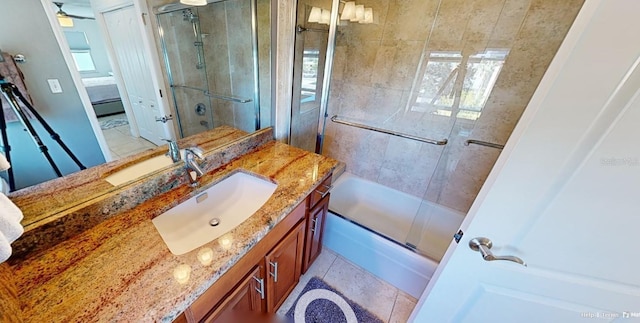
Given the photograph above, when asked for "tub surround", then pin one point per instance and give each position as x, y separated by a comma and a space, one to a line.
121, 270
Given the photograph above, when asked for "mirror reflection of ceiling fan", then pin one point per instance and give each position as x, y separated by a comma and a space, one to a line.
62, 14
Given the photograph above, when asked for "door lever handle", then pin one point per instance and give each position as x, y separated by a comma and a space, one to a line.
483, 245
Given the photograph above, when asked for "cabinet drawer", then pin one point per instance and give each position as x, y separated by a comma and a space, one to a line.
319, 192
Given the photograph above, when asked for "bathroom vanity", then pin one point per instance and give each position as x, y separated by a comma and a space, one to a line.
119, 268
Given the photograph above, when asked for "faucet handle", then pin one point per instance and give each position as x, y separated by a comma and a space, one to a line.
197, 151
174, 150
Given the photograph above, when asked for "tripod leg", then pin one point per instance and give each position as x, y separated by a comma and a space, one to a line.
8, 94
6, 148
46, 126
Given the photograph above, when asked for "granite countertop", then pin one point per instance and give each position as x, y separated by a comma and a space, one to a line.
121, 270
40, 203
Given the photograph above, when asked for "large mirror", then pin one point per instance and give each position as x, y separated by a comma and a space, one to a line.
104, 106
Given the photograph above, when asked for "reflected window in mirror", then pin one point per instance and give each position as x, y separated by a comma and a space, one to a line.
80, 50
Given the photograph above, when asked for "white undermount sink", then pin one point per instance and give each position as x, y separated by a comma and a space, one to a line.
140, 169
212, 213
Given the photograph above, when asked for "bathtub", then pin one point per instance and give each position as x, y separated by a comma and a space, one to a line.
368, 224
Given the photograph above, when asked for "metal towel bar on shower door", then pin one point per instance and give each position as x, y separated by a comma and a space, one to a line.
214, 95
483, 143
389, 132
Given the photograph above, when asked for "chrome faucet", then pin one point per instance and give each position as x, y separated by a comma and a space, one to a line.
191, 157
174, 151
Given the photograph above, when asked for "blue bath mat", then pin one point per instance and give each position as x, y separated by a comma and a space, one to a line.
321, 303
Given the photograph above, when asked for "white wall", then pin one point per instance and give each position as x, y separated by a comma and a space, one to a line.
26, 30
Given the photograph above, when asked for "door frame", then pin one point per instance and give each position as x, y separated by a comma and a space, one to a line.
77, 79
99, 7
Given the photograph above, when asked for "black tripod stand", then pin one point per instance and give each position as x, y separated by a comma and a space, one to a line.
12, 94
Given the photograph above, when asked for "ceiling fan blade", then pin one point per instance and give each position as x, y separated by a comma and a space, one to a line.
79, 17
64, 14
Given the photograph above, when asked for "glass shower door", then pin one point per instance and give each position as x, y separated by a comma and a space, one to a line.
186, 69
213, 63
309, 64
481, 77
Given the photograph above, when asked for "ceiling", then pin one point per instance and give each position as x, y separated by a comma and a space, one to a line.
79, 3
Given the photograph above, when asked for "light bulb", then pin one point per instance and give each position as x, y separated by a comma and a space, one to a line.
65, 21
349, 11
315, 15
359, 13
326, 17
368, 16
194, 2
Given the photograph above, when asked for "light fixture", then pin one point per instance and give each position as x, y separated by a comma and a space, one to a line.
349, 11
359, 13
315, 15
65, 21
194, 2
368, 16
326, 17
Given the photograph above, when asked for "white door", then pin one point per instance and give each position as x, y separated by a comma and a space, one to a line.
564, 196
123, 27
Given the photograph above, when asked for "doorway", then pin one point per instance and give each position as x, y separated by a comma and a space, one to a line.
113, 66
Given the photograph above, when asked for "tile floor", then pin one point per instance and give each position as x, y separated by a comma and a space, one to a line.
378, 297
119, 139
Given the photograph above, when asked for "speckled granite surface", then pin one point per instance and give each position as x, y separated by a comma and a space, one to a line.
80, 217
40, 202
121, 270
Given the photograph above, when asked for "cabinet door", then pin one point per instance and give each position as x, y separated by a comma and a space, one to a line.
245, 302
284, 265
315, 228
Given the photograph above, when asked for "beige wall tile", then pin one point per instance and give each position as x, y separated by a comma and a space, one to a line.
451, 22
510, 20
369, 71
409, 20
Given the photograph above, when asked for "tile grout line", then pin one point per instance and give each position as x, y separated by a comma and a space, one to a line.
395, 302
329, 267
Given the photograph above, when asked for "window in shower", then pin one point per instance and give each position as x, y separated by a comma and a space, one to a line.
308, 90
456, 83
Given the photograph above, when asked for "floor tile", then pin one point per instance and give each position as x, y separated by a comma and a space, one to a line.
362, 287
403, 307
319, 269
120, 142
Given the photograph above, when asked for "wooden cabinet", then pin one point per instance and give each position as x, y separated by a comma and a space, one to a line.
232, 297
316, 214
255, 287
284, 265
315, 228
245, 301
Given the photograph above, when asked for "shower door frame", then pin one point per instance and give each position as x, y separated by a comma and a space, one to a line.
326, 79
254, 52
